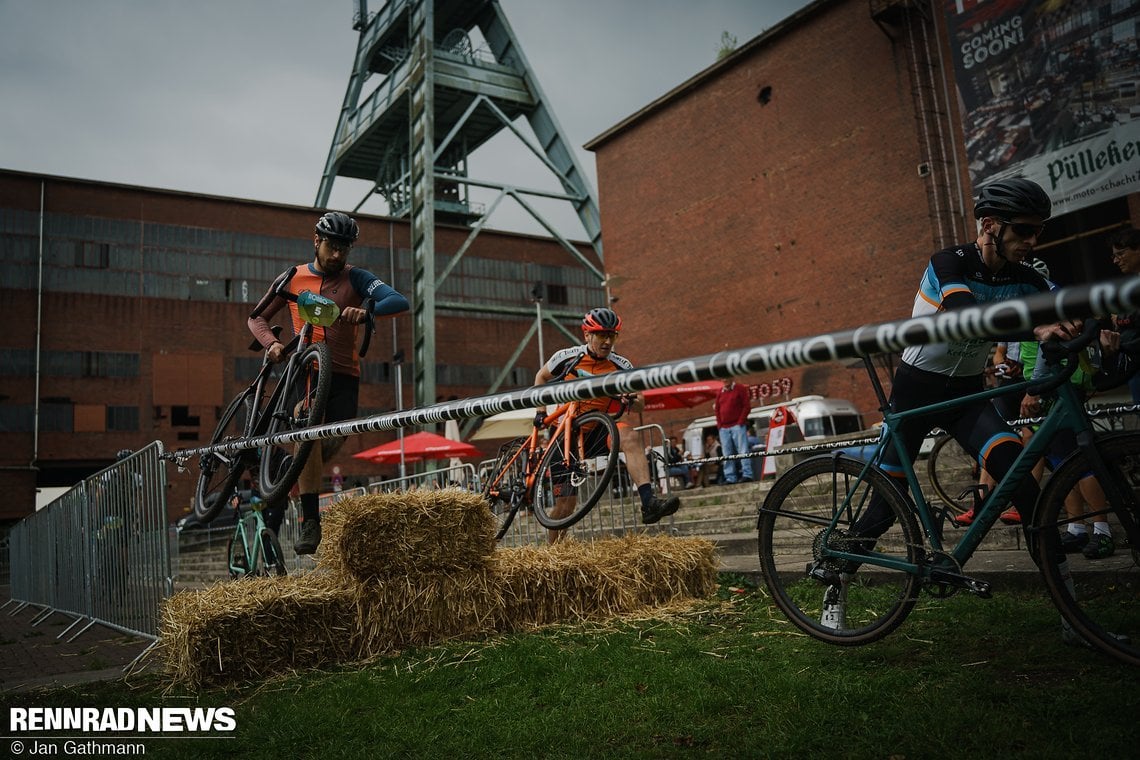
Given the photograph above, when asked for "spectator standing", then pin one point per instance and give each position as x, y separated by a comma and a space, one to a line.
732, 407
1126, 256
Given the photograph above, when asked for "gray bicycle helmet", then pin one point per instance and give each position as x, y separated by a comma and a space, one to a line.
338, 226
1007, 198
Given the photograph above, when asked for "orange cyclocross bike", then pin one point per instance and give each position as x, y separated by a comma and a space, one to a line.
559, 471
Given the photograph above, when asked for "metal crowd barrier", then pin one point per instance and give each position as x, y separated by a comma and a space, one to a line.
100, 552
464, 476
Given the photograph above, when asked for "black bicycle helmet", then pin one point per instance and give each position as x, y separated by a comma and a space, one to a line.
1007, 198
338, 226
601, 320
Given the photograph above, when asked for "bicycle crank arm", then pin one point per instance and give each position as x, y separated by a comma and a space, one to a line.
979, 588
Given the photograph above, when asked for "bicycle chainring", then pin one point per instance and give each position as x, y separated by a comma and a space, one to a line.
942, 561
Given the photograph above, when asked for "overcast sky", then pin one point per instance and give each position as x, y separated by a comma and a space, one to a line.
240, 97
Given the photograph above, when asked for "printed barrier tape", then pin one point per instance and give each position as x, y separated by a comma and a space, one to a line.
983, 321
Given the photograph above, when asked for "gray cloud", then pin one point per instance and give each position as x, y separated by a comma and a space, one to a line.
240, 97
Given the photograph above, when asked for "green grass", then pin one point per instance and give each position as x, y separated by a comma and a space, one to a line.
963, 677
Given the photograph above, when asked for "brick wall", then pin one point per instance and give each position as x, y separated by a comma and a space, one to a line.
729, 222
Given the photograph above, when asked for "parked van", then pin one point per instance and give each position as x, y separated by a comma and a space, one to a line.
815, 417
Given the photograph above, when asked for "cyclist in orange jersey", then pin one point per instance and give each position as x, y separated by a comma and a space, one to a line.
600, 328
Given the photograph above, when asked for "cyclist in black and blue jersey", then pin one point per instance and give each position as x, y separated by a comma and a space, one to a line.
1011, 214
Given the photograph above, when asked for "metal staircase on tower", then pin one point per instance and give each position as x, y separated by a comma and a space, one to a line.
436, 100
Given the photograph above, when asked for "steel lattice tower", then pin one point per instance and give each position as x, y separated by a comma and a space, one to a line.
437, 101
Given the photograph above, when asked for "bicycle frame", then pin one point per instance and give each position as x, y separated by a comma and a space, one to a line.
255, 552
560, 420
253, 549
1067, 413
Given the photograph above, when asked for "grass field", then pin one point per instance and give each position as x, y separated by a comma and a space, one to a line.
726, 678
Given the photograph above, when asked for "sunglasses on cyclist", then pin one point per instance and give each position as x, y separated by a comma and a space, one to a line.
1024, 230
605, 335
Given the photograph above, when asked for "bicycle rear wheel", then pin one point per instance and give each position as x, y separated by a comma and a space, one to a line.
793, 533
505, 490
952, 471
300, 403
570, 482
1100, 598
218, 474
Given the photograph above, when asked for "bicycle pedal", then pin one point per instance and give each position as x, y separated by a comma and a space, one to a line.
979, 588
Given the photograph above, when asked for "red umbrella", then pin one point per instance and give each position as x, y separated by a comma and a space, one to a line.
417, 447
681, 396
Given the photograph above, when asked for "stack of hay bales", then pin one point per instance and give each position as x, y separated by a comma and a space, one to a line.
414, 568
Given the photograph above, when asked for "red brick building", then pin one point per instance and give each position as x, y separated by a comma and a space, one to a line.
139, 324
796, 187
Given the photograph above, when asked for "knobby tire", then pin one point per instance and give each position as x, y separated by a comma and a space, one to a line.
585, 473
218, 474
301, 405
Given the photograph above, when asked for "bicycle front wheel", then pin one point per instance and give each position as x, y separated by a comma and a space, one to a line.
834, 600
1098, 593
274, 557
218, 474
952, 473
571, 479
300, 403
505, 490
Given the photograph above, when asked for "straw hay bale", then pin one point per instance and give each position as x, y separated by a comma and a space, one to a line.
239, 631
591, 581
425, 608
407, 533
245, 630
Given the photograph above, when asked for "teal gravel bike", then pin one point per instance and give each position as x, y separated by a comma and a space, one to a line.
844, 589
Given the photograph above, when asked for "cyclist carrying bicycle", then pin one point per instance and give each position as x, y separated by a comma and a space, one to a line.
1011, 214
600, 329
331, 276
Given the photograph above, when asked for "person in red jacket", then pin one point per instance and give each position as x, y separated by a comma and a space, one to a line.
732, 407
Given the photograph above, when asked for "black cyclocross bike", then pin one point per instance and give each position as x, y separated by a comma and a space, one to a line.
282, 398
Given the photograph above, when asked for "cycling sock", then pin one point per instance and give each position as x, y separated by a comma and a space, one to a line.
309, 507
1101, 529
645, 491
1077, 529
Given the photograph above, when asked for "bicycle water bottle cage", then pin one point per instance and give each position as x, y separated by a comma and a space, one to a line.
316, 309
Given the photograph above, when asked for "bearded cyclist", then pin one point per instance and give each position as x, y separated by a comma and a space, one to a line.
329, 275
600, 329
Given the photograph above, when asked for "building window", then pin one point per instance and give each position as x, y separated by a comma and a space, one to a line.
93, 255
557, 294
180, 417
123, 418
17, 362
375, 373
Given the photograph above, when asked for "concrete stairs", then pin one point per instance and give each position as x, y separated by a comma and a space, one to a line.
725, 515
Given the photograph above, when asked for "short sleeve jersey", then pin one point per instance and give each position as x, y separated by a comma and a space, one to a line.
576, 362
957, 277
